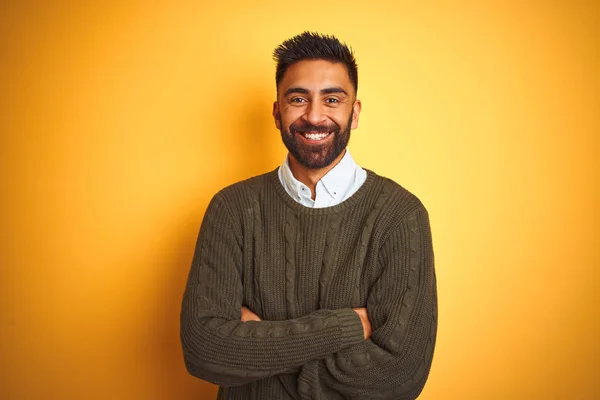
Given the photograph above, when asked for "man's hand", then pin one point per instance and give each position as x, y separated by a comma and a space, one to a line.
364, 318
248, 315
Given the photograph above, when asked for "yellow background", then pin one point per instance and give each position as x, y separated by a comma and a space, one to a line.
120, 121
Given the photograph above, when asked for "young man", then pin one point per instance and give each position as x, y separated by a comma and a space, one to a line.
316, 280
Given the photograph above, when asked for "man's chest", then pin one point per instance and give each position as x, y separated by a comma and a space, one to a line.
295, 265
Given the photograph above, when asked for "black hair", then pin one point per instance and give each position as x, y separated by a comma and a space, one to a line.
314, 46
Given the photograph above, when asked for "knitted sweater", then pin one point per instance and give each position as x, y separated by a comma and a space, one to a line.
302, 270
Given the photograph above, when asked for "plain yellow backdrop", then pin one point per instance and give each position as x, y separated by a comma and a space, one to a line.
120, 120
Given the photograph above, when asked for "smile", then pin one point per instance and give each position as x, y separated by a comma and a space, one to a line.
316, 136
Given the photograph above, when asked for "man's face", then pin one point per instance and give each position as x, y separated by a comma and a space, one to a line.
315, 110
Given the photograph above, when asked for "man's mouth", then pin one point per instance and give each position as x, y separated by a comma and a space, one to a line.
315, 136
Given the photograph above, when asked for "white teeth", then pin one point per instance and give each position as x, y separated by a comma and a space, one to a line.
316, 136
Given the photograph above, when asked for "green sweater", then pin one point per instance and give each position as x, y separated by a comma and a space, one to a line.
302, 270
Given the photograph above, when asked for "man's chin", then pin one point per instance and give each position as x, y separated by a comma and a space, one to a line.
315, 163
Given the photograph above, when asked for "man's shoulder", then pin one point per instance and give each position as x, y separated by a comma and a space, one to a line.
395, 189
253, 183
398, 199
244, 190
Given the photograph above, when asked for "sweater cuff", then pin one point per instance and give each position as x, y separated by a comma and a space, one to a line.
351, 327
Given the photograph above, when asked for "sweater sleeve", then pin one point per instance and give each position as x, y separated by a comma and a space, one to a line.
217, 345
402, 307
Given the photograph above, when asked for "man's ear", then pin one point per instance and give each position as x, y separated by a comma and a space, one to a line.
356, 107
276, 115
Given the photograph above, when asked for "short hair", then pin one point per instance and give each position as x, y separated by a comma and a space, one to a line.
314, 46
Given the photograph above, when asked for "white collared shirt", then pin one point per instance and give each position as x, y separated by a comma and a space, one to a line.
336, 186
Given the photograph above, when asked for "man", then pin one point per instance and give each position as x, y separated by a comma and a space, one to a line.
316, 280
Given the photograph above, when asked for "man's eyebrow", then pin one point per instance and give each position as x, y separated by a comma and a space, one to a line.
301, 90
333, 90
296, 90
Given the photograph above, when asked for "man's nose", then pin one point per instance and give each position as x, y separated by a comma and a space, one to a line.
315, 113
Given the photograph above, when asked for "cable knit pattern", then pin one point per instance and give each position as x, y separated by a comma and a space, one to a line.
302, 270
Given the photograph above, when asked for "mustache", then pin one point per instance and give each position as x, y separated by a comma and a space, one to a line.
297, 127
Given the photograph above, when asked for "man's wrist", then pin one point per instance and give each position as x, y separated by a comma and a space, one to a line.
351, 326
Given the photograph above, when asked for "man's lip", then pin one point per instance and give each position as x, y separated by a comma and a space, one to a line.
312, 141
303, 132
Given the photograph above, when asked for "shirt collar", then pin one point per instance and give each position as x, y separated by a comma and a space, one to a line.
293, 185
341, 177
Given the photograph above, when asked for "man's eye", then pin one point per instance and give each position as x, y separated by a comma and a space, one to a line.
332, 100
298, 100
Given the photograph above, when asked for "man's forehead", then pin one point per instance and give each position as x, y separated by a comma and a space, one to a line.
315, 75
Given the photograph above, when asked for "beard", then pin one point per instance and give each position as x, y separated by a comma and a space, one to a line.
316, 156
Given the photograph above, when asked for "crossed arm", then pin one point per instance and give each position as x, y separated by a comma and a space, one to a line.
248, 315
383, 354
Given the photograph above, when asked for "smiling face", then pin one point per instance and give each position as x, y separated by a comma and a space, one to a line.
315, 111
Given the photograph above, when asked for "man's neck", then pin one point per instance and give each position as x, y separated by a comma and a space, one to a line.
310, 177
